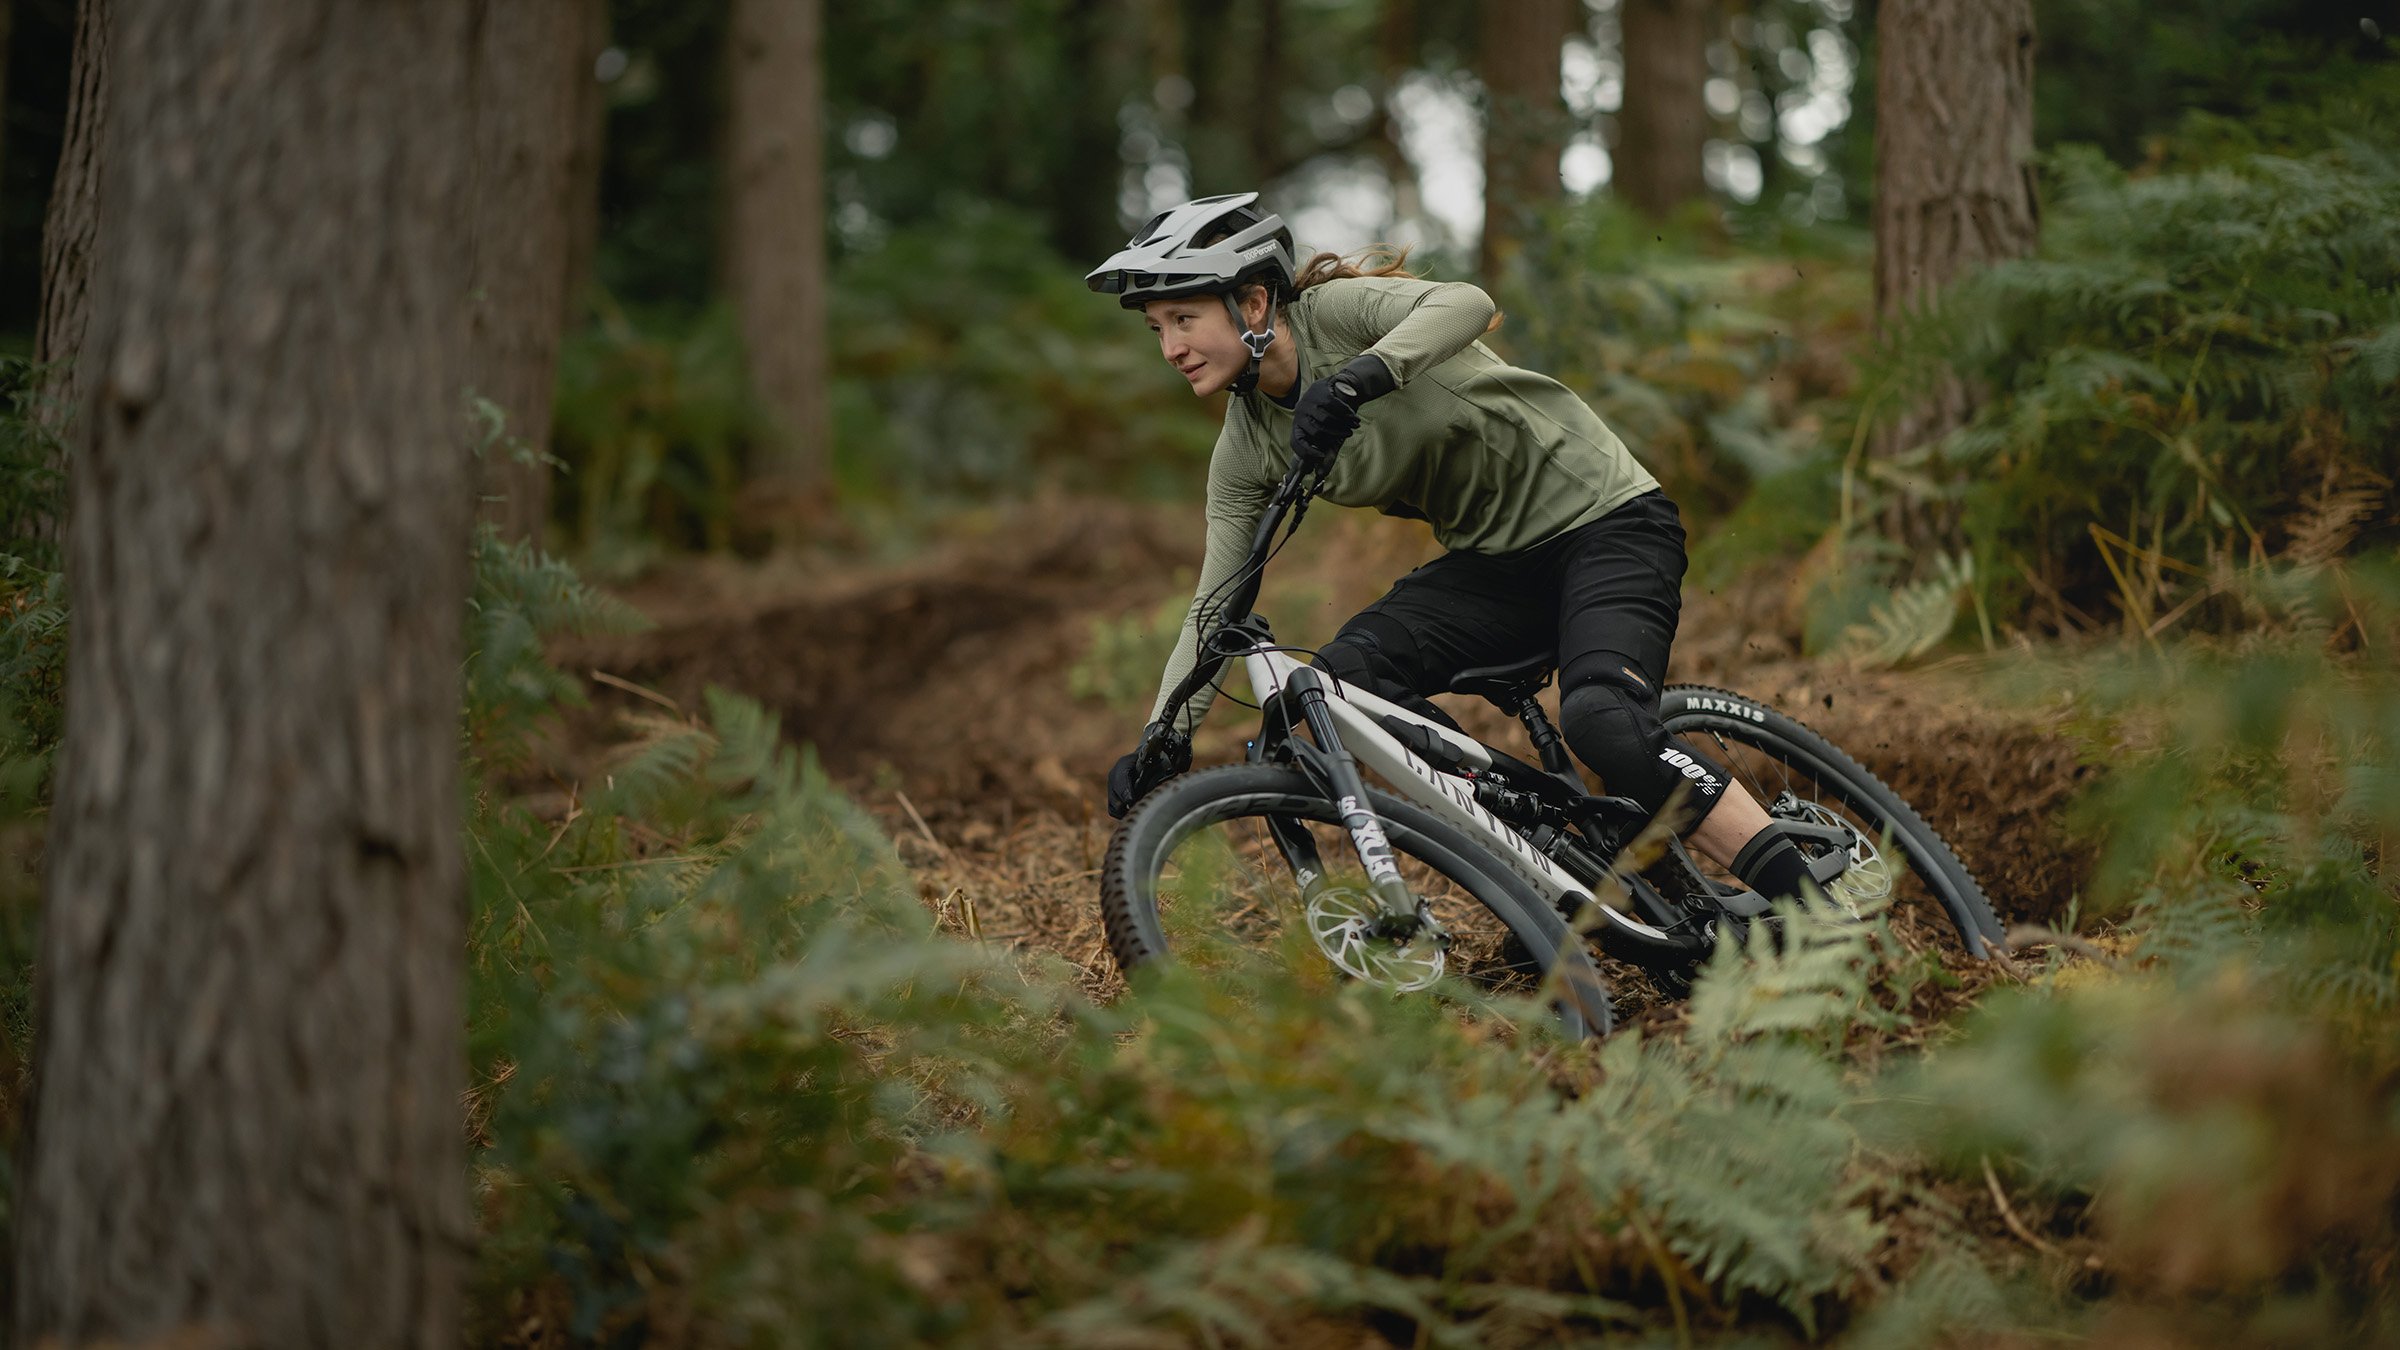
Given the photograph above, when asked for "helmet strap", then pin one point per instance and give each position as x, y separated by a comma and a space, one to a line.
1257, 342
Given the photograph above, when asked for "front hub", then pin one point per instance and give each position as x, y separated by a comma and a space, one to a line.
1399, 952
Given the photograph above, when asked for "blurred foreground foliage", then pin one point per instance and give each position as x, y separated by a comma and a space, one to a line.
2209, 1111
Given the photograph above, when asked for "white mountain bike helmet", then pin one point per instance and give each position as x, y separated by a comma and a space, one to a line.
1210, 246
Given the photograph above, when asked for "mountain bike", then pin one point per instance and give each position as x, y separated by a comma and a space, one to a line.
1477, 863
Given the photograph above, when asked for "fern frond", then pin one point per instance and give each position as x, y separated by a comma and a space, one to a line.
2328, 522
1806, 971
665, 754
1914, 619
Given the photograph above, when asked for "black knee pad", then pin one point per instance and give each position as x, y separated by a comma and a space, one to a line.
1352, 661
1611, 723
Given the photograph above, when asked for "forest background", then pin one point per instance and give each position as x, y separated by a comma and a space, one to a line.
2025, 372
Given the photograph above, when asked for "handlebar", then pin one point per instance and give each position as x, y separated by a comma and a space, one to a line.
1291, 499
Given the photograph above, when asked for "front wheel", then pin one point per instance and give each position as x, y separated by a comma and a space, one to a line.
1896, 860
1196, 868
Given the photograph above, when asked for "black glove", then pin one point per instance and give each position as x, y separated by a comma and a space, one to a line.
1328, 410
1163, 753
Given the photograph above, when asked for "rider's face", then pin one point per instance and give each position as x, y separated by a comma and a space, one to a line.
1198, 338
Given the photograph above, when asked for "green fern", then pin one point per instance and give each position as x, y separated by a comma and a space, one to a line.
1913, 619
2188, 356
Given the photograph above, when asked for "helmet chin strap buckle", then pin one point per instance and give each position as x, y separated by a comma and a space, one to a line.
1257, 342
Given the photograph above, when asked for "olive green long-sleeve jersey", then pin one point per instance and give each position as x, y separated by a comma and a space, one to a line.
1497, 458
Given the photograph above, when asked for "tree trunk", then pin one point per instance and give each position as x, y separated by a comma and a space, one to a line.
1262, 112
250, 1049
529, 106
1954, 186
1663, 126
1233, 125
776, 248
1395, 57
1088, 168
67, 232
583, 175
1524, 120
8, 20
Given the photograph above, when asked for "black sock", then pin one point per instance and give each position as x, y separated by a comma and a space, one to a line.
1771, 865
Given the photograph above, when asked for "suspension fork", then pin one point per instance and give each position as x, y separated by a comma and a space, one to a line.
1349, 791
1292, 839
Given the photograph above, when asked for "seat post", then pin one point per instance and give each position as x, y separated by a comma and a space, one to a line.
1546, 739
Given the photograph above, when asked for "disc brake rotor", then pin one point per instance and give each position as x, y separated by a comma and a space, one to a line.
1342, 922
1869, 875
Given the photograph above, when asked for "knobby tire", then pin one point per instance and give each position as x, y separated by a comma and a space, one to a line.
1174, 812
1698, 709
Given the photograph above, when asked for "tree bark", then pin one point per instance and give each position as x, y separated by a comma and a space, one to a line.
536, 60
1662, 127
245, 1119
1395, 57
1234, 134
8, 23
1262, 112
583, 174
776, 249
68, 229
1089, 169
1954, 184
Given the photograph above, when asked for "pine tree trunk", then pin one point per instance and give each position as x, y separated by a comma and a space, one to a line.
67, 233
1262, 112
1525, 119
1087, 170
776, 246
529, 107
1954, 185
1395, 57
8, 23
245, 1118
1663, 126
1230, 131
583, 175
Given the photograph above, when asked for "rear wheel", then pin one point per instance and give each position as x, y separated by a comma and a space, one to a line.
1195, 874
1798, 775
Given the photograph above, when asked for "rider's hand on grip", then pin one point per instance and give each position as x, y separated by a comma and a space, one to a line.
1327, 413
1163, 753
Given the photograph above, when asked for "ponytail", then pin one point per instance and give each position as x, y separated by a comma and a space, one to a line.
1375, 260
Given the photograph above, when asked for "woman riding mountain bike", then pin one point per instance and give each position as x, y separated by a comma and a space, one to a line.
1559, 540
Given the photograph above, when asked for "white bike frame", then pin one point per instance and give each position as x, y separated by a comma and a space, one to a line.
1355, 712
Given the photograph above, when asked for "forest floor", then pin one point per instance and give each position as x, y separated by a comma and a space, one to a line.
937, 693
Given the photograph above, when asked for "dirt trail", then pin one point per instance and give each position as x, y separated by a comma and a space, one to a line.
937, 693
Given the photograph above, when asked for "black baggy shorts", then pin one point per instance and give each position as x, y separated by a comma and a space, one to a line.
1603, 597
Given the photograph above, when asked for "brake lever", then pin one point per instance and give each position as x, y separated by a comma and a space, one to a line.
1155, 738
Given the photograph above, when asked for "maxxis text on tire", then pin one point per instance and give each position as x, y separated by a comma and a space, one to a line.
1686, 709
